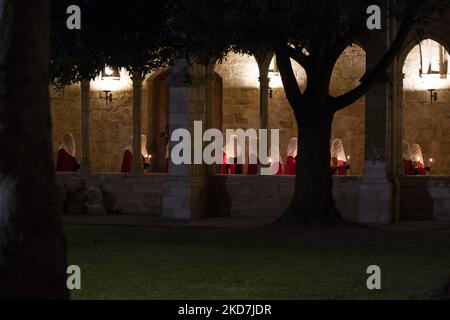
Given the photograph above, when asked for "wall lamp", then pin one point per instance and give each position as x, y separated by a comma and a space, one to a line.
108, 96
433, 95
108, 74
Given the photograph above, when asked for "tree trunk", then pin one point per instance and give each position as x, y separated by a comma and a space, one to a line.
312, 202
32, 247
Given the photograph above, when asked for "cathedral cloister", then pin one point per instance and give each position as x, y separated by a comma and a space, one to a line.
412, 105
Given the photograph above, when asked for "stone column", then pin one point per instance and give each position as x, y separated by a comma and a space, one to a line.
376, 190
210, 110
396, 137
375, 194
263, 59
85, 95
185, 189
264, 82
137, 167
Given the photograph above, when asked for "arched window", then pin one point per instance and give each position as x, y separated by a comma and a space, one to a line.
426, 108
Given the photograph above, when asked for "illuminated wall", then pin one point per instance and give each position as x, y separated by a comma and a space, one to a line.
427, 122
240, 92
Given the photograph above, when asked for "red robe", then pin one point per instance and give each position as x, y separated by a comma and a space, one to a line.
408, 167
224, 169
341, 170
291, 166
419, 168
127, 161
252, 169
66, 162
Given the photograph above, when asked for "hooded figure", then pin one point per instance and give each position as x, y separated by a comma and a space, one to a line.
417, 160
291, 162
127, 160
144, 151
230, 153
338, 157
253, 161
407, 162
276, 164
66, 161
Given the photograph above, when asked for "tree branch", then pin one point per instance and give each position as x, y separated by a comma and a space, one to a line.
297, 55
372, 76
342, 43
293, 93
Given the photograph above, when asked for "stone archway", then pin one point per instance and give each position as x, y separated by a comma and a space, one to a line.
423, 121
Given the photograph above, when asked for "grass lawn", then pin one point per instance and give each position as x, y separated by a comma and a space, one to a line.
255, 263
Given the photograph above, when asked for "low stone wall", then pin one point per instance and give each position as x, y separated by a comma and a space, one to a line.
425, 198
268, 196
101, 193
421, 198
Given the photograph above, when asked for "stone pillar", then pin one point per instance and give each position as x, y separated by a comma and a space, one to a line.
397, 125
137, 167
396, 137
85, 95
185, 189
210, 110
264, 81
376, 190
263, 58
375, 194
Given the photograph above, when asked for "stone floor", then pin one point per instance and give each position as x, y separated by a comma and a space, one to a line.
230, 222
146, 221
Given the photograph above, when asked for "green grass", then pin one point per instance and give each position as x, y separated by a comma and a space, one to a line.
255, 263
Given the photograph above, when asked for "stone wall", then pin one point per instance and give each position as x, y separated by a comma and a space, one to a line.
235, 196
268, 196
240, 92
100, 194
424, 122
421, 198
424, 198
